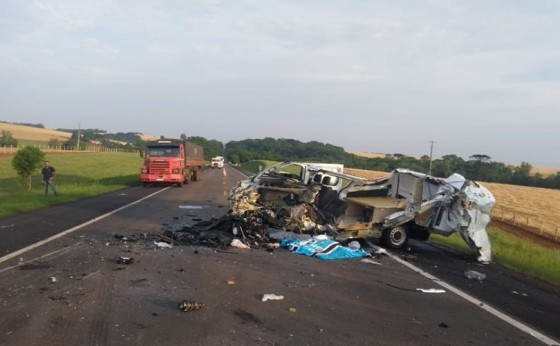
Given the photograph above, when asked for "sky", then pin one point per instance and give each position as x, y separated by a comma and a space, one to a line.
474, 77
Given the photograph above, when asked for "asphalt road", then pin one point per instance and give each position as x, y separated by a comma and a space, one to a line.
72, 290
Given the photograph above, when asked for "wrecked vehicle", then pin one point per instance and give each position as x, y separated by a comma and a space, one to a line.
318, 198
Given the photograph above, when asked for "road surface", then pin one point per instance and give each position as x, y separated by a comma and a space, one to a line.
71, 289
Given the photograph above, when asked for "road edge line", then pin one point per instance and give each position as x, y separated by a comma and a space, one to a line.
75, 228
517, 324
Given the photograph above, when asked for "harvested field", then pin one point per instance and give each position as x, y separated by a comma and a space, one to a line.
368, 155
545, 171
30, 133
531, 208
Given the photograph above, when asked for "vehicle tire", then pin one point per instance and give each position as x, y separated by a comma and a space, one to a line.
419, 233
395, 237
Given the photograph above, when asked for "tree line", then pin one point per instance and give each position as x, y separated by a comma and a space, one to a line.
477, 167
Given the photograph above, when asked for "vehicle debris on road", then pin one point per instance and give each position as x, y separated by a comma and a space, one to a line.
317, 199
474, 275
125, 260
190, 305
270, 296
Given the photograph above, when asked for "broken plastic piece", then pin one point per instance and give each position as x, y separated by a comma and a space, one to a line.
53, 279
190, 305
125, 260
292, 310
430, 290
472, 274
163, 245
271, 297
238, 244
365, 260
231, 282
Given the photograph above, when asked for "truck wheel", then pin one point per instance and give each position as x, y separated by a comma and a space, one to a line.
419, 233
396, 237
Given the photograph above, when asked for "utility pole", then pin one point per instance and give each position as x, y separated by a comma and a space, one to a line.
78, 146
431, 152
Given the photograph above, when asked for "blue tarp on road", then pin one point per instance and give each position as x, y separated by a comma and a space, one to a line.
325, 249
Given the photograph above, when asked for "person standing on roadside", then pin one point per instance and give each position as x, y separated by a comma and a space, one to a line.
48, 176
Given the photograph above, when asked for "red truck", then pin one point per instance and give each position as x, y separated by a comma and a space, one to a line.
171, 161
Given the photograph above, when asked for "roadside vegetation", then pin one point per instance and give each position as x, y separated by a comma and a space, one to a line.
478, 167
77, 176
515, 253
512, 252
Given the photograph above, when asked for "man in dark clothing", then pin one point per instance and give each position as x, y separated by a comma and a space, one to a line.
48, 176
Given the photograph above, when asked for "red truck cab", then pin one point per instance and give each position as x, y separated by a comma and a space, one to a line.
171, 161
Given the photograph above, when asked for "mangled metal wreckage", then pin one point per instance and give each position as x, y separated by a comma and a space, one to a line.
318, 198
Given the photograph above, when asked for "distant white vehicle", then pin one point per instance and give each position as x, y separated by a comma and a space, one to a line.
217, 162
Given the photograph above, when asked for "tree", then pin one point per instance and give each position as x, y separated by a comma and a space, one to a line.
480, 157
54, 143
7, 140
26, 162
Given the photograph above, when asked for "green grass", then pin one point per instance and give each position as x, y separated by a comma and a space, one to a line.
515, 253
253, 166
78, 175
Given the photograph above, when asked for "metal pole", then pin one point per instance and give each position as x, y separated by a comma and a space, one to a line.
78, 136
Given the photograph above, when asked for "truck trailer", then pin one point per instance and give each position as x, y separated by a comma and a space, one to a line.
171, 161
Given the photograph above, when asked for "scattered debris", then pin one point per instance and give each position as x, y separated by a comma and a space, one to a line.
53, 279
238, 244
297, 284
367, 260
292, 310
190, 207
125, 260
190, 305
443, 325
474, 275
522, 294
271, 297
163, 245
430, 290
231, 282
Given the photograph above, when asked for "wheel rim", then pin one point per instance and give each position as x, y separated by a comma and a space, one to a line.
397, 236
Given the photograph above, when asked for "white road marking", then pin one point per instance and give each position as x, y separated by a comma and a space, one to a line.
53, 254
519, 325
75, 228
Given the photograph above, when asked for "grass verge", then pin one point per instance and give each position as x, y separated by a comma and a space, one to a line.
78, 176
515, 253
253, 166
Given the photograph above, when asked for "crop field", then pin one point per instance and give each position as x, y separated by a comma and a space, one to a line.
532, 208
33, 134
